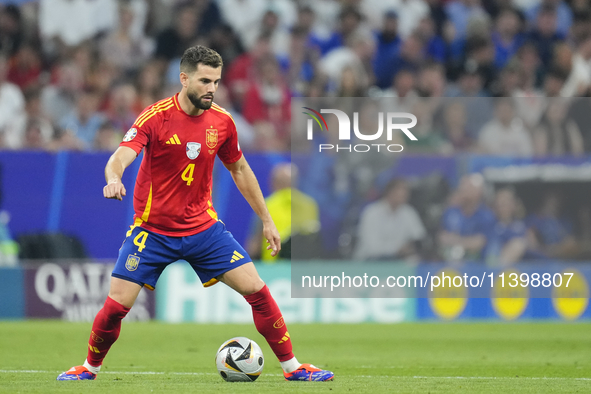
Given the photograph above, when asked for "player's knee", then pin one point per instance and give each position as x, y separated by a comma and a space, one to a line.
252, 287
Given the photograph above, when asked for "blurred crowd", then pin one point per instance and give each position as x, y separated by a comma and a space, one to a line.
74, 74
492, 226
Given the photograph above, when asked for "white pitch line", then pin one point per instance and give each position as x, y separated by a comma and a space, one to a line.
122, 372
358, 376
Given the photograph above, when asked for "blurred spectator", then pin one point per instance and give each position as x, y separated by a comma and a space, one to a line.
12, 102
9, 249
563, 57
581, 26
33, 138
531, 70
209, 16
267, 139
25, 68
505, 134
557, 135
245, 130
544, 35
305, 20
356, 55
438, 15
410, 12
244, 69
326, 15
466, 222
429, 136
580, 113
435, 47
459, 13
302, 62
269, 98
65, 140
122, 49
102, 78
270, 26
349, 23
223, 40
431, 82
107, 138
508, 81
85, 120
59, 99
554, 81
564, 15
403, 90
388, 46
411, 57
455, 127
11, 30
479, 107
351, 84
580, 76
507, 37
507, 241
469, 80
293, 212
480, 53
15, 132
139, 10
390, 228
73, 21
530, 102
550, 234
172, 42
579, 6
243, 15
149, 86
121, 110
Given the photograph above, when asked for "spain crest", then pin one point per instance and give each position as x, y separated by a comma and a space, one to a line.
132, 262
193, 150
211, 138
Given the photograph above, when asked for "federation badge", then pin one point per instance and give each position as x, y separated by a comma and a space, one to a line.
193, 150
211, 138
132, 262
131, 133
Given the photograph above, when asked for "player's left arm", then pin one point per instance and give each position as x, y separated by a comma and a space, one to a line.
248, 185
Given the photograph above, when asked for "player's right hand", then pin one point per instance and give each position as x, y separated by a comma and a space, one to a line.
114, 189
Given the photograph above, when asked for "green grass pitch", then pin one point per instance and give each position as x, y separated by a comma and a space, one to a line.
403, 358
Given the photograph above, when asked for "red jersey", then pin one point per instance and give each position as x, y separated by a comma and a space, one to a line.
173, 187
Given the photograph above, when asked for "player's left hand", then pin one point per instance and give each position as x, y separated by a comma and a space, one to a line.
273, 239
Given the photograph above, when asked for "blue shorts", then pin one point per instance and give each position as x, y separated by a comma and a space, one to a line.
144, 255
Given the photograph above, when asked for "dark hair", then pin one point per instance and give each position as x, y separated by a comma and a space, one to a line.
557, 72
199, 54
393, 184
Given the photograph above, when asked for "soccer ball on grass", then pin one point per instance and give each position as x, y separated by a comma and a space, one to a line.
239, 360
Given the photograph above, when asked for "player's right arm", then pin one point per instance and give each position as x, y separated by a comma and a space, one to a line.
116, 165
136, 138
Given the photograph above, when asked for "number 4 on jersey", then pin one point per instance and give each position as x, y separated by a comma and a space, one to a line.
187, 175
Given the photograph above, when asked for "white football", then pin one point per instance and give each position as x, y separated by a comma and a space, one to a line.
239, 360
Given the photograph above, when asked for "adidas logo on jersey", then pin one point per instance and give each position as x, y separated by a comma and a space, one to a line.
236, 256
174, 140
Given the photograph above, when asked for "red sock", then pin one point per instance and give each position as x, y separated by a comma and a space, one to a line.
269, 322
105, 330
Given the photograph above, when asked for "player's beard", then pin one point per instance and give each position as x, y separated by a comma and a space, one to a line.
198, 102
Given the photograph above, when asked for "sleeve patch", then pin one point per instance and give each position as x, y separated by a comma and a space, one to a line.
131, 133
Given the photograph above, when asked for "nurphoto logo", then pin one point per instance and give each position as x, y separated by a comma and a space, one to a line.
344, 131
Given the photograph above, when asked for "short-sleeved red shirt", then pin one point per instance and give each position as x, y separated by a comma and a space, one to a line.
173, 187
